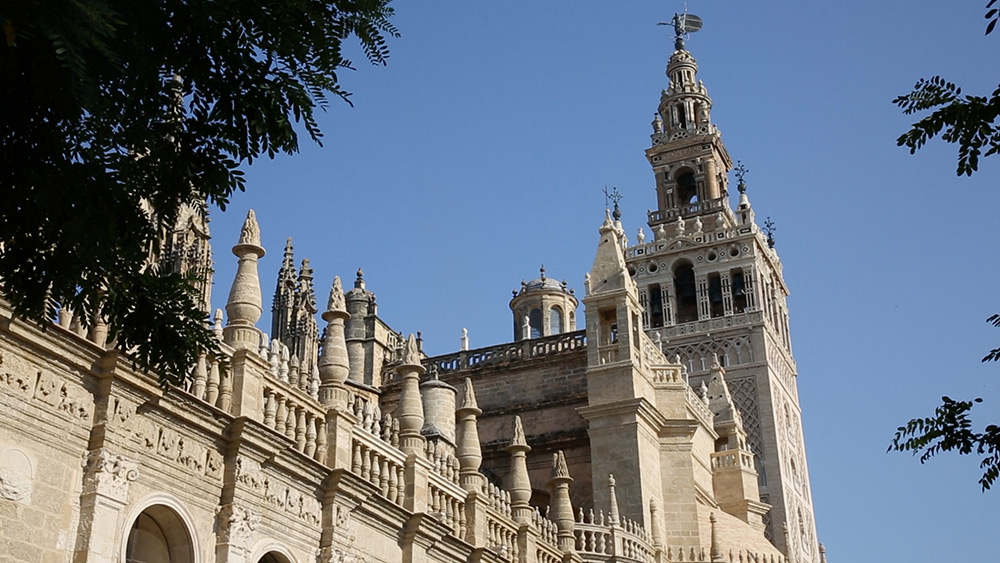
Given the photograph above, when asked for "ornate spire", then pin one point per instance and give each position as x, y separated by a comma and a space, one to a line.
244, 304
306, 292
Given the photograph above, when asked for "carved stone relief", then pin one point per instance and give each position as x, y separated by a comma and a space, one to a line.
109, 474
238, 525
16, 479
22, 380
276, 493
168, 444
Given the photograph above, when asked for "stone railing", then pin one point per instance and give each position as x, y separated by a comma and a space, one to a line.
732, 458
718, 323
667, 374
297, 416
699, 407
504, 353
501, 535
547, 548
446, 501
625, 541
687, 209
376, 460
210, 383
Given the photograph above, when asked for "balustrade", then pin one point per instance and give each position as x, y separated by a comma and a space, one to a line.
446, 500
501, 534
732, 458
534, 348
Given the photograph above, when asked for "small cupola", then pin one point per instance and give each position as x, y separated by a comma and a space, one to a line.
543, 307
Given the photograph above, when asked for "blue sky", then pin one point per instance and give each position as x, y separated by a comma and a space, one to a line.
480, 152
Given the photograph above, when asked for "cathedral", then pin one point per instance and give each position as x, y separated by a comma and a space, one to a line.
661, 425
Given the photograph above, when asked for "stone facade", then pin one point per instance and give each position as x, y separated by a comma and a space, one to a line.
666, 430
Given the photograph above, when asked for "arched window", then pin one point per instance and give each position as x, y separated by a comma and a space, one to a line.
158, 535
687, 189
687, 295
273, 557
739, 291
655, 306
715, 295
535, 322
555, 320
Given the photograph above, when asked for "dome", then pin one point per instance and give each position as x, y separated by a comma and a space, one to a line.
543, 284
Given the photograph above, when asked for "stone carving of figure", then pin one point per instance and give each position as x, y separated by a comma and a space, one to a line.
697, 224
679, 225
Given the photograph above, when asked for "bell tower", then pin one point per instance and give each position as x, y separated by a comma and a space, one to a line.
710, 284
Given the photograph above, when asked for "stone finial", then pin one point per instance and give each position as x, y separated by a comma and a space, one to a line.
411, 352
336, 300
716, 549
250, 234
519, 440
217, 324
612, 500
520, 484
468, 450
469, 398
654, 522
525, 328
410, 409
465, 340
560, 506
559, 468
640, 237
244, 303
334, 365
822, 553
359, 282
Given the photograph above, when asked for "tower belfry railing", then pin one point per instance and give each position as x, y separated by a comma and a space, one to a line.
688, 209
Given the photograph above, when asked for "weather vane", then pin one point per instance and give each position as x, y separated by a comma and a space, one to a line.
684, 25
613, 197
741, 171
769, 230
